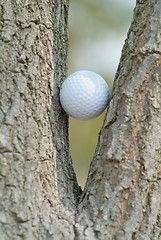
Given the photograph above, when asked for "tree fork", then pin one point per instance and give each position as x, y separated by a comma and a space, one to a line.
38, 189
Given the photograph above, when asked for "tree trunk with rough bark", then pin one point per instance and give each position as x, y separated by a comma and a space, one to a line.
39, 194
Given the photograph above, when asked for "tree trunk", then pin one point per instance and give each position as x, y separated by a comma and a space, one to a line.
122, 197
38, 188
39, 194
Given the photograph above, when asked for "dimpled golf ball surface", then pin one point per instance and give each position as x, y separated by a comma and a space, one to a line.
84, 95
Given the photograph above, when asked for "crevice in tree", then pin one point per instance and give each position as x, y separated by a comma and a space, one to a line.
69, 190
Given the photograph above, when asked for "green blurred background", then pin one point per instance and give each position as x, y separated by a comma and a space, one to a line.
97, 31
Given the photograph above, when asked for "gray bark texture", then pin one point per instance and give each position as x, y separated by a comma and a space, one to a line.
39, 195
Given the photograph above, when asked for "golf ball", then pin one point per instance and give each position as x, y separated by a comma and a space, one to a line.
84, 95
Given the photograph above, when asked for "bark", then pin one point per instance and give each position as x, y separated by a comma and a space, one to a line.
122, 197
37, 182
39, 193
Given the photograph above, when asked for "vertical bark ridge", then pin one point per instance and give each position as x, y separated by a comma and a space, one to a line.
67, 183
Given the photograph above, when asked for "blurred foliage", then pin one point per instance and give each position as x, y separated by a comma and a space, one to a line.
92, 23
97, 17
83, 141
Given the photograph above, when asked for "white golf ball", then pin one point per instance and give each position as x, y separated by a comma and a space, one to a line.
84, 95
